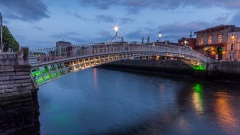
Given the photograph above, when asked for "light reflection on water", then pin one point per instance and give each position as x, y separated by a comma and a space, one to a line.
99, 101
226, 115
197, 99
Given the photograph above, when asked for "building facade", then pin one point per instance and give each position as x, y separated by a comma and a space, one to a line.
233, 46
213, 42
62, 47
188, 42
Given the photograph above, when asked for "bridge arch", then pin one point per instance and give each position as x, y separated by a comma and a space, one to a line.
52, 63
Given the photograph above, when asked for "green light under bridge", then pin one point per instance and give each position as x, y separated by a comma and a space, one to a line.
40, 81
199, 67
36, 73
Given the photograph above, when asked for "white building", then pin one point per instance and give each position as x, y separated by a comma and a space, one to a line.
233, 46
215, 42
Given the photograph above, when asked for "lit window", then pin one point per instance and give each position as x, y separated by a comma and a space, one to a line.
233, 36
200, 40
210, 39
219, 38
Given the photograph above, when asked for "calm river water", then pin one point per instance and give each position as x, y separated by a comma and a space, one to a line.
101, 101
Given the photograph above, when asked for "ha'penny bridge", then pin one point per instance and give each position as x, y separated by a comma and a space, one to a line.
49, 64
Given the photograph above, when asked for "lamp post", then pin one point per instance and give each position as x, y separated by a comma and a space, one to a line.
159, 36
116, 29
232, 47
185, 42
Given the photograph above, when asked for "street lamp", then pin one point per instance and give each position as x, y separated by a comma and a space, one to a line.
159, 36
185, 42
232, 47
116, 29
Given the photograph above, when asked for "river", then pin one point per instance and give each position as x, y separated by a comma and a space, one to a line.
101, 101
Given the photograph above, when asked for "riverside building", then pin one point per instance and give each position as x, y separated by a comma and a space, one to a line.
214, 42
233, 46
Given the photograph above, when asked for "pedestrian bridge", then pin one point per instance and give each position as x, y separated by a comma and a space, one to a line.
49, 64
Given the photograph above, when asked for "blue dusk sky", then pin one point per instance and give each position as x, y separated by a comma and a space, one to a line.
40, 23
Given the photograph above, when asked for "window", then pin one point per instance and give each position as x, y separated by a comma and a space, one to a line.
200, 40
233, 37
219, 38
210, 39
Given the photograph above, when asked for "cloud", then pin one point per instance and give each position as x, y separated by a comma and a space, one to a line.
126, 20
81, 17
101, 4
104, 36
137, 35
111, 19
171, 32
134, 6
26, 10
104, 19
38, 28
68, 36
236, 19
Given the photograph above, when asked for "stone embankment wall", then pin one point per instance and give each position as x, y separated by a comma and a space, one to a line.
15, 82
173, 67
16, 89
15, 79
224, 70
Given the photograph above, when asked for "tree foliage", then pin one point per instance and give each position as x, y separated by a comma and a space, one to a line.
9, 41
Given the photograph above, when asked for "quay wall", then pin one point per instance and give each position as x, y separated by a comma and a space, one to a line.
16, 92
224, 70
171, 67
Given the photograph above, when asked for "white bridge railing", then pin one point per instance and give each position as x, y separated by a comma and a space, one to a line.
41, 56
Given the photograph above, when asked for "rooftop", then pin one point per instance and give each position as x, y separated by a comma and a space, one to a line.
218, 28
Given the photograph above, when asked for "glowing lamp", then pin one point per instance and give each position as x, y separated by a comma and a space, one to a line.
159, 35
116, 28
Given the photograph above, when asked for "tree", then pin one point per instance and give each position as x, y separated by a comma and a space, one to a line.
8, 40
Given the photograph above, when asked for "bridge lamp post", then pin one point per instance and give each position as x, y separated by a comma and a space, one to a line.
185, 42
159, 36
116, 29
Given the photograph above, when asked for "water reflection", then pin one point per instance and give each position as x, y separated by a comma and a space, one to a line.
133, 104
225, 113
95, 80
197, 98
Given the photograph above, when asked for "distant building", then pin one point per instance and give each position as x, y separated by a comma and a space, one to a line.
188, 42
1, 36
233, 46
62, 47
213, 42
165, 42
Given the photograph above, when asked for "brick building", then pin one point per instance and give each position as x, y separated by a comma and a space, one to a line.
213, 42
188, 42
